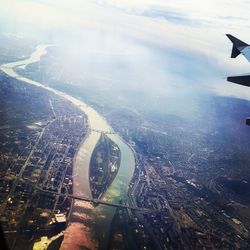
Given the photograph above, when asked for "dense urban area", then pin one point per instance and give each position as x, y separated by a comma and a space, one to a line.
40, 134
187, 177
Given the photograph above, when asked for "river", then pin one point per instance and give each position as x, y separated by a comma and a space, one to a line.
101, 216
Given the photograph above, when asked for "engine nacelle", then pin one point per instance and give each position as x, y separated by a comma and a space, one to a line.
248, 121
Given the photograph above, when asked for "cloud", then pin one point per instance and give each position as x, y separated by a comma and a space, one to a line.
192, 27
232, 90
131, 18
170, 16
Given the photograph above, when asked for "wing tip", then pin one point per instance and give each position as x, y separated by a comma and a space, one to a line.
236, 41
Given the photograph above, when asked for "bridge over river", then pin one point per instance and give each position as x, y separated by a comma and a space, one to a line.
94, 201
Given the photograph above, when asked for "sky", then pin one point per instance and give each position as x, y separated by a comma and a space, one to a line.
190, 33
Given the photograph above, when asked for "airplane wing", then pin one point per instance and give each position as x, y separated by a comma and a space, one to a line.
240, 79
239, 47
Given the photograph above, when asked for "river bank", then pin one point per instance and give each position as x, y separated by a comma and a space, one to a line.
97, 219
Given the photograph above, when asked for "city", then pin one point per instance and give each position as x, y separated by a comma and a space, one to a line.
46, 133
172, 202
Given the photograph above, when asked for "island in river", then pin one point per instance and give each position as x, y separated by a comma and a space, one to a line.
104, 166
